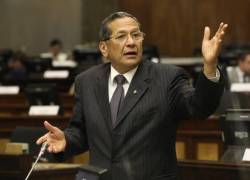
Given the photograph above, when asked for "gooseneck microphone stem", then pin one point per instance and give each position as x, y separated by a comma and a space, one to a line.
42, 151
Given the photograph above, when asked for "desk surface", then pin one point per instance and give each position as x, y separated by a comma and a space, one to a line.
44, 171
213, 170
187, 170
63, 84
55, 166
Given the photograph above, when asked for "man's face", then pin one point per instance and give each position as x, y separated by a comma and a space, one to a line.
124, 48
245, 65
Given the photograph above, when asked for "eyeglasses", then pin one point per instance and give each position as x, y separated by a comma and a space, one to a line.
122, 37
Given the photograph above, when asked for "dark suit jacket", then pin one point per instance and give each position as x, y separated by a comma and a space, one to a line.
142, 144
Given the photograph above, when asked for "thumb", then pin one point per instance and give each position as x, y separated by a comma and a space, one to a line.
49, 127
206, 33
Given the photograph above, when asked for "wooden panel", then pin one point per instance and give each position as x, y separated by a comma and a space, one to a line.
18, 104
208, 151
180, 150
207, 170
172, 26
16, 167
209, 13
192, 138
144, 16
3, 142
177, 26
9, 123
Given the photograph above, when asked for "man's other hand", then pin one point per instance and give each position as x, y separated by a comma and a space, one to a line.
55, 139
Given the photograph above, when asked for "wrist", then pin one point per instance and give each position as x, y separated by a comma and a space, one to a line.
210, 70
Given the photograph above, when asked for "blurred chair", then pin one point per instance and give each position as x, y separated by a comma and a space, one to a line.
86, 57
39, 65
30, 135
43, 94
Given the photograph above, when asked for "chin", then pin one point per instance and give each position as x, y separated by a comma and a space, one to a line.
132, 62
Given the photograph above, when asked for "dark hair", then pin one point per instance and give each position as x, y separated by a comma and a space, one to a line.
105, 32
242, 55
55, 42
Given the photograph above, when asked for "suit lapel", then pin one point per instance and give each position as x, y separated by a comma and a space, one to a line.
102, 94
137, 88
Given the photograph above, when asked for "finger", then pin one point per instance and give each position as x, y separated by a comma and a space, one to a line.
42, 139
55, 149
222, 33
220, 27
221, 30
49, 127
219, 40
206, 33
224, 28
218, 32
50, 149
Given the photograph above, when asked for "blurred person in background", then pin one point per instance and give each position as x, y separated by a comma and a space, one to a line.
241, 72
17, 65
55, 51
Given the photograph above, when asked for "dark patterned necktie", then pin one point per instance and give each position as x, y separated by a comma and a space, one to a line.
117, 98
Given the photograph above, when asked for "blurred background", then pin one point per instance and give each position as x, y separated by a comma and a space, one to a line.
175, 26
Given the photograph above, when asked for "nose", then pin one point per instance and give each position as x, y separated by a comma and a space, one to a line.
130, 41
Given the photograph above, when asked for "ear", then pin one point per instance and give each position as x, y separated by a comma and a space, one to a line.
103, 48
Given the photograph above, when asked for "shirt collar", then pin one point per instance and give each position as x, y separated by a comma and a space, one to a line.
128, 75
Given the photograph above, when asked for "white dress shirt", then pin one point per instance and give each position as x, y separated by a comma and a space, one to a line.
216, 78
112, 84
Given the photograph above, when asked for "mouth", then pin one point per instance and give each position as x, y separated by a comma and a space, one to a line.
130, 54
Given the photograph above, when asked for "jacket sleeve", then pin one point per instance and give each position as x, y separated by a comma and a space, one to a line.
75, 133
196, 103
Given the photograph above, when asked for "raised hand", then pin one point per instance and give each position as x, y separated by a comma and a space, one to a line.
211, 48
55, 138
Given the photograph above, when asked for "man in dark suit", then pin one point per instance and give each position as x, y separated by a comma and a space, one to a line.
127, 111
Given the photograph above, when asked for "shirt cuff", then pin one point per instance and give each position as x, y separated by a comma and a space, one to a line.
216, 78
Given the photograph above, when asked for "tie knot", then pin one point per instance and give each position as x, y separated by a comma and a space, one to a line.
120, 79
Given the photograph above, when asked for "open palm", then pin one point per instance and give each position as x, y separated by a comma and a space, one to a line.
211, 47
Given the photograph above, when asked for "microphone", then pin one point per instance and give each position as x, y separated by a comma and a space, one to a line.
41, 152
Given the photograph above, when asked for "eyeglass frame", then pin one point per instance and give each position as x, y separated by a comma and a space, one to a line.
116, 37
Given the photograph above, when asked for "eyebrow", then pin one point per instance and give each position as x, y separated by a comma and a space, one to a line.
124, 31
